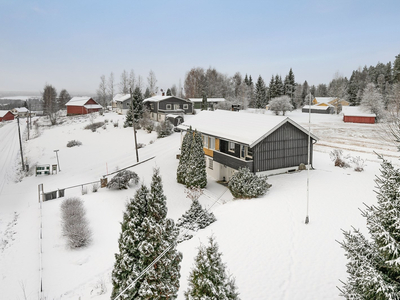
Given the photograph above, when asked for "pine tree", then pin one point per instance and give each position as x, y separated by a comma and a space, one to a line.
137, 105
280, 90
129, 117
204, 104
196, 217
196, 175
396, 69
374, 265
184, 158
146, 233
260, 94
208, 279
128, 263
147, 93
169, 93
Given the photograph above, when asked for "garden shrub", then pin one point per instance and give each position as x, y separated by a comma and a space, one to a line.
164, 129
74, 223
94, 126
123, 179
73, 143
246, 185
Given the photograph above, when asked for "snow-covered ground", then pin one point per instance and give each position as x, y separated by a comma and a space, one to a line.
264, 241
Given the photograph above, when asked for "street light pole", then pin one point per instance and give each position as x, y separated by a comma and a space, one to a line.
58, 163
308, 158
20, 145
134, 127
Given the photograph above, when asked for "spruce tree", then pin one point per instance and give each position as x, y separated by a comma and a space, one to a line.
374, 264
146, 233
260, 94
196, 174
396, 69
137, 105
280, 90
196, 217
208, 279
169, 93
129, 117
184, 158
128, 263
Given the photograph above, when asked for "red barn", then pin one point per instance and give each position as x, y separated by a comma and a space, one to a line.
82, 106
354, 114
6, 115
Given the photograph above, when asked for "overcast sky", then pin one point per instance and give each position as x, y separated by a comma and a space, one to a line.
70, 44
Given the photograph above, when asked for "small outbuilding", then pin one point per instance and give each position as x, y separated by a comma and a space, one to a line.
82, 106
211, 102
22, 112
6, 115
319, 109
354, 114
175, 119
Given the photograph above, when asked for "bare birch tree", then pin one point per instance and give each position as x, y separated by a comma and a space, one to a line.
102, 91
124, 83
152, 83
111, 87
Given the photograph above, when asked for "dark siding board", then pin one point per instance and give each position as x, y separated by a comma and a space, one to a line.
286, 147
231, 162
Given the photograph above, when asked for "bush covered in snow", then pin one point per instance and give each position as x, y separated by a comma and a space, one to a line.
122, 180
358, 163
73, 143
339, 159
74, 223
246, 185
164, 129
94, 126
280, 104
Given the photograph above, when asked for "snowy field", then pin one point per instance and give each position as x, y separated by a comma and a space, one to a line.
264, 241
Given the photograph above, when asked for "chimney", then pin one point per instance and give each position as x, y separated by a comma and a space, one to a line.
162, 92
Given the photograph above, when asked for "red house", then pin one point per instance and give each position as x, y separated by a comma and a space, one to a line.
82, 106
6, 115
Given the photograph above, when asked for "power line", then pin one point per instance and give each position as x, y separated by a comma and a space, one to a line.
164, 252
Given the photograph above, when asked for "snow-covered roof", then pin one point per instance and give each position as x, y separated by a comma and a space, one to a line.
173, 116
243, 127
78, 101
121, 97
21, 109
3, 113
356, 111
92, 106
161, 98
317, 107
208, 99
324, 99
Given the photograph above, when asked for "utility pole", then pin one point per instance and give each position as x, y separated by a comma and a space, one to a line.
59, 169
20, 145
308, 158
134, 127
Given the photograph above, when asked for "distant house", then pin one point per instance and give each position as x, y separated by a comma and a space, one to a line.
22, 112
82, 106
121, 101
197, 102
6, 115
160, 106
319, 109
354, 114
263, 143
337, 103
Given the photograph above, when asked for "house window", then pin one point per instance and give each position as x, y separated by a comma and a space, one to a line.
205, 141
176, 106
185, 106
152, 106
210, 163
249, 152
243, 151
211, 143
231, 146
169, 106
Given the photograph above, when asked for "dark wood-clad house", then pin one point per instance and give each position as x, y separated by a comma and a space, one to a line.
265, 144
160, 106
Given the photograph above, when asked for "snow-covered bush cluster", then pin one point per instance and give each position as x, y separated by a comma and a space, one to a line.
280, 104
93, 126
123, 179
164, 129
74, 223
346, 161
246, 185
73, 143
